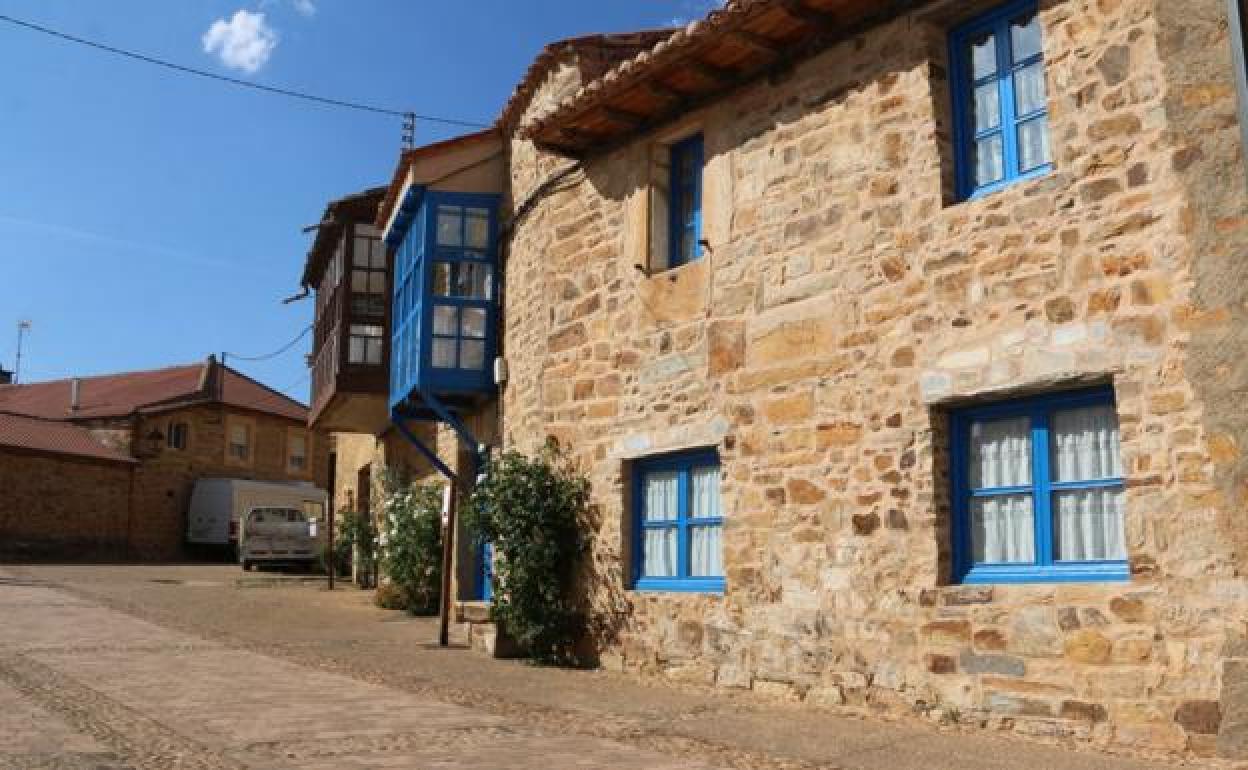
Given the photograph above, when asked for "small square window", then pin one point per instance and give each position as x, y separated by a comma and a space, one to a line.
1001, 117
1038, 490
678, 524
239, 448
297, 452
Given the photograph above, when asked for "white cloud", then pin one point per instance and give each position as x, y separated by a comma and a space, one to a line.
305, 7
245, 42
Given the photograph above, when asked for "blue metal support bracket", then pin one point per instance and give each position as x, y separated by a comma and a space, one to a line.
465, 436
429, 454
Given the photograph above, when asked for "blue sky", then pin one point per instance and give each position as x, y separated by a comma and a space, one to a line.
149, 219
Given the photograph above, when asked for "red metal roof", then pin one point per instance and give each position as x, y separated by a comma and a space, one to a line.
118, 395
40, 435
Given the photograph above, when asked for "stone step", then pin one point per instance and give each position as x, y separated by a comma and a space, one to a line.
472, 612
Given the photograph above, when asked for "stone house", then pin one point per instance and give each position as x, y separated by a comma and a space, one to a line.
902, 344
161, 430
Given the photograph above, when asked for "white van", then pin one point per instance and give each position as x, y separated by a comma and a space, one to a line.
230, 512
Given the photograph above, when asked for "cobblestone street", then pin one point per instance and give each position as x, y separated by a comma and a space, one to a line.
208, 668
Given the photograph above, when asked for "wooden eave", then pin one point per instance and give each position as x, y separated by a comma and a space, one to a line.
360, 208
748, 40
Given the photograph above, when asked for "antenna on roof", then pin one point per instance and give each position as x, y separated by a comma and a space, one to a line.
409, 130
23, 326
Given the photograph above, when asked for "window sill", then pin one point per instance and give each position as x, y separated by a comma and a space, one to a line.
1076, 572
996, 187
680, 585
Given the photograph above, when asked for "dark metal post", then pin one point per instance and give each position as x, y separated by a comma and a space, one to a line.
329, 550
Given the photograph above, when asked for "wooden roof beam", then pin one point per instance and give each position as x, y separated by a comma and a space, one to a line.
662, 91
758, 43
799, 11
623, 117
717, 75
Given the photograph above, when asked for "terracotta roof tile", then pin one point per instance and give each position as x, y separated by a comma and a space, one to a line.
606, 50
40, 435
118, 395
646, 59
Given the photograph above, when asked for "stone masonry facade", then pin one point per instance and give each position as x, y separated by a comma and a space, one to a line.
847, 302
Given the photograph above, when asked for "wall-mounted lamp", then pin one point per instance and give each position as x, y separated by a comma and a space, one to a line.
154, 441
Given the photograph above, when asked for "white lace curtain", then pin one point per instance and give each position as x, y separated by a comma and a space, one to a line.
662, 491
662, 500
705, 542
1088, 523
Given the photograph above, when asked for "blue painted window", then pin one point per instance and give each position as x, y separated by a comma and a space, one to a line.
1001, 116
685, 228
679, 523
1038, 492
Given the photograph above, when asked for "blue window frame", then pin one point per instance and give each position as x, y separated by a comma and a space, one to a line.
444, 325
678, 543
685, 227
1001, 116
1038, 492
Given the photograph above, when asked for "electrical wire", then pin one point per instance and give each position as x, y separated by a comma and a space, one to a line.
238, 81
275, 353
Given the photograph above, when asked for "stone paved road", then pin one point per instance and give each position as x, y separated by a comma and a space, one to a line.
86, 687
110, 666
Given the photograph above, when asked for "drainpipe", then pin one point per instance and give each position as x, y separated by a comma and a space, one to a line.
134, 471
1235, 21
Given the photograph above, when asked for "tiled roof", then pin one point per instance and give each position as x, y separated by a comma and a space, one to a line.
704, 60
600, 52
650, 57
118, 395
40, 435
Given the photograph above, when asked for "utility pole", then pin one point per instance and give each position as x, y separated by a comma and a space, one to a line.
23, 326
409, 130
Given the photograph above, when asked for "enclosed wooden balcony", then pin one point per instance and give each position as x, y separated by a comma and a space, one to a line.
351, 274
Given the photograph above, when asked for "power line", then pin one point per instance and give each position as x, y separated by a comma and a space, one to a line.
275, 353
238, 81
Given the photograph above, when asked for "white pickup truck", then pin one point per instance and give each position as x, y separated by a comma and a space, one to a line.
264, 522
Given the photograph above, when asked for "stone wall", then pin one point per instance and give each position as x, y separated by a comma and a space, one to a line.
845, 305
57, 506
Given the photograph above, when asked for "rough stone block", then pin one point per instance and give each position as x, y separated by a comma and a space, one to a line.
1233, 705
1003, 665
1088, 646
1203, 717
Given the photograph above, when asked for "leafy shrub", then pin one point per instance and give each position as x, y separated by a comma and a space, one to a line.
529, 509
390, 596
356, 537
411, 541
341, 558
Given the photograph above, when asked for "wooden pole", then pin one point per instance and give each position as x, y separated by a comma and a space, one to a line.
329, 518
448, 551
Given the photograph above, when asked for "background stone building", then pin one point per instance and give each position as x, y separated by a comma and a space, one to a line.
167, 428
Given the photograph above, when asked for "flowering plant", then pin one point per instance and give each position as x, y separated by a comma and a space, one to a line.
410, 541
